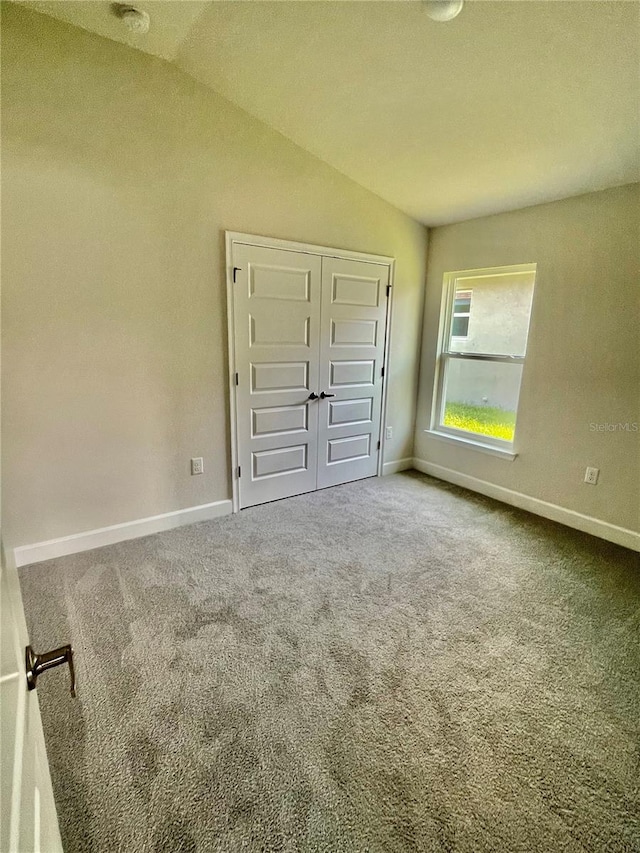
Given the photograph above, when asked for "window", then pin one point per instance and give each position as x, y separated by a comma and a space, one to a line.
461, 314
482, 353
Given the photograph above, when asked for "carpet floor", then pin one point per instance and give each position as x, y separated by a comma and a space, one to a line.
390, 665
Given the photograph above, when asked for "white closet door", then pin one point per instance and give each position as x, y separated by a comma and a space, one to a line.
276, 322
352, 341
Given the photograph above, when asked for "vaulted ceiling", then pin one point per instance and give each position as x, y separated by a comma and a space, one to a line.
510, 104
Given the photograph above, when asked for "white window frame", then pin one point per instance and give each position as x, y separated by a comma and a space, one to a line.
451, 282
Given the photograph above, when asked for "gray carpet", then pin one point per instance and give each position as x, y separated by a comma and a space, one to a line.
390, 665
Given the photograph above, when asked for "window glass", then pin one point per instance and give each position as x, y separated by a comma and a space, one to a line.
497, 318
482, 356
481, 397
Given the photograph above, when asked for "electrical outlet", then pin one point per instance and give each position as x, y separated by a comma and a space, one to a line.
388, 433
591, 476
197, 465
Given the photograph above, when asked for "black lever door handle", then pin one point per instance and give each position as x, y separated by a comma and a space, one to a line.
324, 396
312, 396
37, 664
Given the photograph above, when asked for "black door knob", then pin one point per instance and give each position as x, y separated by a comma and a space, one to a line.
323, 395
312, 396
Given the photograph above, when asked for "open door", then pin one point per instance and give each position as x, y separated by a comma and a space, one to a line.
27, 811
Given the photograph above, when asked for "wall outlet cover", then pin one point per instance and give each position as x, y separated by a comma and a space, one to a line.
591, 476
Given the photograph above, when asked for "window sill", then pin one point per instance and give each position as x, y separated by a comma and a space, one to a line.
472, 444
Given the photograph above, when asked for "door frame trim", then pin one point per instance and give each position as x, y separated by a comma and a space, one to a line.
237, 237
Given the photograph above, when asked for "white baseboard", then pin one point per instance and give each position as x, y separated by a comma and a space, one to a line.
27, 554
585, 523
398, 465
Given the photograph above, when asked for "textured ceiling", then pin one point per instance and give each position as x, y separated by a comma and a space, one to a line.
510, 104
171, 20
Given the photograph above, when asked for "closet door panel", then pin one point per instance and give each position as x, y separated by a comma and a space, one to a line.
352, 341
277, 331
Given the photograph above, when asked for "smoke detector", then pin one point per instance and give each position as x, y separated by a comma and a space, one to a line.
135, 20
443, 10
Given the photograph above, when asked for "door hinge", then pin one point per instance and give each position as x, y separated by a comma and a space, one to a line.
381, 372
239, 472
236, 378
388, 290
379, 445
235, 270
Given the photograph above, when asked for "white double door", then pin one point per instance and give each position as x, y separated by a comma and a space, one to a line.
309, 343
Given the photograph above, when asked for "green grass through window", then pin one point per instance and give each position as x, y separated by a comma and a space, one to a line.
484, 420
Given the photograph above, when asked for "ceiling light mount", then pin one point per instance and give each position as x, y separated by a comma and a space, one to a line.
443, 10
135, 20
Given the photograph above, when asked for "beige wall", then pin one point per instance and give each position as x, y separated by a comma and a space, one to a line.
582, 364
120, 174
